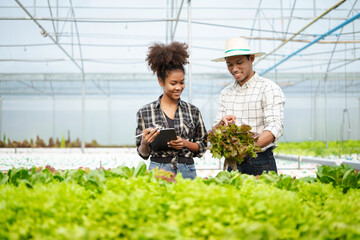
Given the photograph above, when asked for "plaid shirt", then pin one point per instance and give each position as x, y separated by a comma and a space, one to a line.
258, 103
188, 125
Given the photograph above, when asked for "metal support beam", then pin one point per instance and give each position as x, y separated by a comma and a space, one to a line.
167, 23
1, 129
34, 8
109, 120
313, 42
46, 34
31, 86
301, 30
82, 85
254, 21
176, 21
52, 21
83, 114
54, 119
172, 16
326, 118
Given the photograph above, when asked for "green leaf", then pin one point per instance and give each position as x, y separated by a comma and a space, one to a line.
3, 178
25, 182
122, 171
59, 178
19, 174
140, 170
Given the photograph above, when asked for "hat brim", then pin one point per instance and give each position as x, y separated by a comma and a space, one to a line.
240, 53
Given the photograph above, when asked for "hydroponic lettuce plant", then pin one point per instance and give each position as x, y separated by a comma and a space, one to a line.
233, 142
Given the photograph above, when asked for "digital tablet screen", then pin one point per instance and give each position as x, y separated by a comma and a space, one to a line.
165, 136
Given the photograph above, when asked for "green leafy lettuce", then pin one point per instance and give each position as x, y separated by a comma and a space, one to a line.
233, 142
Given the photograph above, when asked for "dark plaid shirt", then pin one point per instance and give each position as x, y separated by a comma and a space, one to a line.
188, 125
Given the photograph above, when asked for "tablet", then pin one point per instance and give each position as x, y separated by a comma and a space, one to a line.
165, 136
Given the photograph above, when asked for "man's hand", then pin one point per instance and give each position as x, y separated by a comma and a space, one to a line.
228, 120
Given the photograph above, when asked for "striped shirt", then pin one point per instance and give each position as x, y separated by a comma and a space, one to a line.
188, 124
258, 103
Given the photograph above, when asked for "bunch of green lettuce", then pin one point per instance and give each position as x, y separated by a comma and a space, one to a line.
233, 142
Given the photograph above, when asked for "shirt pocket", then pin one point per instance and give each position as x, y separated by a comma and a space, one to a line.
188, 130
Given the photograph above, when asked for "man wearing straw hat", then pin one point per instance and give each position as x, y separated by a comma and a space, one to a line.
251, 100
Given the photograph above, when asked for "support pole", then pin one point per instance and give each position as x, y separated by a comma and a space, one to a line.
109, 120
34, 8
54, 119
1, 130
171, 23
326, 122
315, 119
83, 113
190, 51
167, 22
83, 85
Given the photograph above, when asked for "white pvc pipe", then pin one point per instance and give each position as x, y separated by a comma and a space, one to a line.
321, 161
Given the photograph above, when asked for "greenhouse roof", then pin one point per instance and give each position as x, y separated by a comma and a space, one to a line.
50, 47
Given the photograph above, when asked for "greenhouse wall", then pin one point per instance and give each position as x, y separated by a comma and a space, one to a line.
112, 121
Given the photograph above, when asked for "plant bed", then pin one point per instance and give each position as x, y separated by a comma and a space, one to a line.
132, 203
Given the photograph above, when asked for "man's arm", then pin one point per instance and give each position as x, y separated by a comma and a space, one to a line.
221, 110
265, 138
274, 111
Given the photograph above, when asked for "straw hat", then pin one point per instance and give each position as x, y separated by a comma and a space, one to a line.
236, 47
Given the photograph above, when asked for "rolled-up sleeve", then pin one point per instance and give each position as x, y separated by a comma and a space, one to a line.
221, 110
139, 129
274, 110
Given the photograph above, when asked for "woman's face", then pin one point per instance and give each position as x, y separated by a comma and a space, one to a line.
174, 84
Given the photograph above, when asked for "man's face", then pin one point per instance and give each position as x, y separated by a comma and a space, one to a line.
240, 67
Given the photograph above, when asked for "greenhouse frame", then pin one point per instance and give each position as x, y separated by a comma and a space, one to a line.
88, 52
73, 76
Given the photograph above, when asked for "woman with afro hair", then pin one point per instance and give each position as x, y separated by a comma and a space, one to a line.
169, 111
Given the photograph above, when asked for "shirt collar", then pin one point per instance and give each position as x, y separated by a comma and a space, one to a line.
157, 103
249, 83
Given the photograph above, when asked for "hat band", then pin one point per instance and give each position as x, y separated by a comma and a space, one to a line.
237, 50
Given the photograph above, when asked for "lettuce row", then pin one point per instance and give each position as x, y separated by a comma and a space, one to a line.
140, 204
